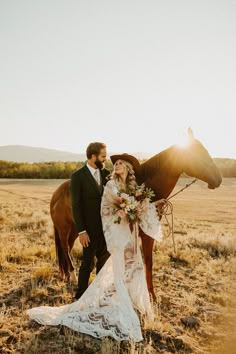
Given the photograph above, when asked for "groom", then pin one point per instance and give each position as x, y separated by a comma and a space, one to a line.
86, 188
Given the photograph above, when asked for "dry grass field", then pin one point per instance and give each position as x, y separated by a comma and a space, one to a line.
195, 312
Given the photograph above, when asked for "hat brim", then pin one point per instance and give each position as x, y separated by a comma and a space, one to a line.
126, 157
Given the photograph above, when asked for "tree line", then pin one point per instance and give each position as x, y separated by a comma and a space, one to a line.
47, 170
63, 170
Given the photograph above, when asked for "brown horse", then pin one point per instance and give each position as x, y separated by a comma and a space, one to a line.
161, 173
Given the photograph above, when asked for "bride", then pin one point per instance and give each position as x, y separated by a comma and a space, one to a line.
110, 305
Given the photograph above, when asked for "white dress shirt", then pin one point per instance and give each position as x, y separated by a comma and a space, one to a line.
93, 172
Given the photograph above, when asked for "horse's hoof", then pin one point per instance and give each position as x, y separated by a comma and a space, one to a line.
73, 277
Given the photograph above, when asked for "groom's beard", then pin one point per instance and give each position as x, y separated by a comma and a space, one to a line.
99, 164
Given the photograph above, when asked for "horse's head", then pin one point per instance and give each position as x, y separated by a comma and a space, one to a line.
198, 163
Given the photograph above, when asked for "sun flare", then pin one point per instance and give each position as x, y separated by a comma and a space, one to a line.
183, 140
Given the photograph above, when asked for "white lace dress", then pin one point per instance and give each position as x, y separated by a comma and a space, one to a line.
107, 308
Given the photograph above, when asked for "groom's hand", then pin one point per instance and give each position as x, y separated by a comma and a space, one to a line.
84, 239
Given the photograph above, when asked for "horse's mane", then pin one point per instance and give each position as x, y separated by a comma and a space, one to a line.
149, 167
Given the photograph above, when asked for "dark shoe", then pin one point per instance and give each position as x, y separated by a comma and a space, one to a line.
77, 295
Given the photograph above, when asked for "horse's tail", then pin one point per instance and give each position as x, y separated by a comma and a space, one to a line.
59, 252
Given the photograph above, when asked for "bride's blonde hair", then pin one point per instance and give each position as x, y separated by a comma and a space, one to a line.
130, 179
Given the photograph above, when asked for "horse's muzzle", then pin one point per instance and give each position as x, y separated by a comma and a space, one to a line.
215, 182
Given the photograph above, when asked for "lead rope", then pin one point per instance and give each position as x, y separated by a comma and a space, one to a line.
165, 211
168, 209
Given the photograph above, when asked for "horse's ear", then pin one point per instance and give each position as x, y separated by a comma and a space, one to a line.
190, 134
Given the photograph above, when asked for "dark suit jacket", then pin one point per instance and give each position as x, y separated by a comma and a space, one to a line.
85, 197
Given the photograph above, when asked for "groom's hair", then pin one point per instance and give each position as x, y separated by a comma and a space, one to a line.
94, 149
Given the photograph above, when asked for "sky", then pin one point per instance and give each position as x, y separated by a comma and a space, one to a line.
133, 74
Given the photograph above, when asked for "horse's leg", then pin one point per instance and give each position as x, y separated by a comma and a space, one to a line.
72, 237
147, 245
69, 268
63, 267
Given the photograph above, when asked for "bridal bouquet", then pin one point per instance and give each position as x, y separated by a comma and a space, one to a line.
131, 204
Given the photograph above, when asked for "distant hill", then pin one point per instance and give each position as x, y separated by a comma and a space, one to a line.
21, 153
227, 167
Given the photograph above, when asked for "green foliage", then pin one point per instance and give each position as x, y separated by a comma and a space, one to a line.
45, 170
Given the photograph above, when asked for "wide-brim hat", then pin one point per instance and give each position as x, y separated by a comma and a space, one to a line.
129, 158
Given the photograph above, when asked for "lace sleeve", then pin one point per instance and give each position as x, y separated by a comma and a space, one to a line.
116, 235
109, 194
149, 222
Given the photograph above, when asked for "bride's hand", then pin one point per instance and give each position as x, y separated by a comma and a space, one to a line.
160, 202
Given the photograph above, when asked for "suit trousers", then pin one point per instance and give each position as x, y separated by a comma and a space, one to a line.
96, 249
